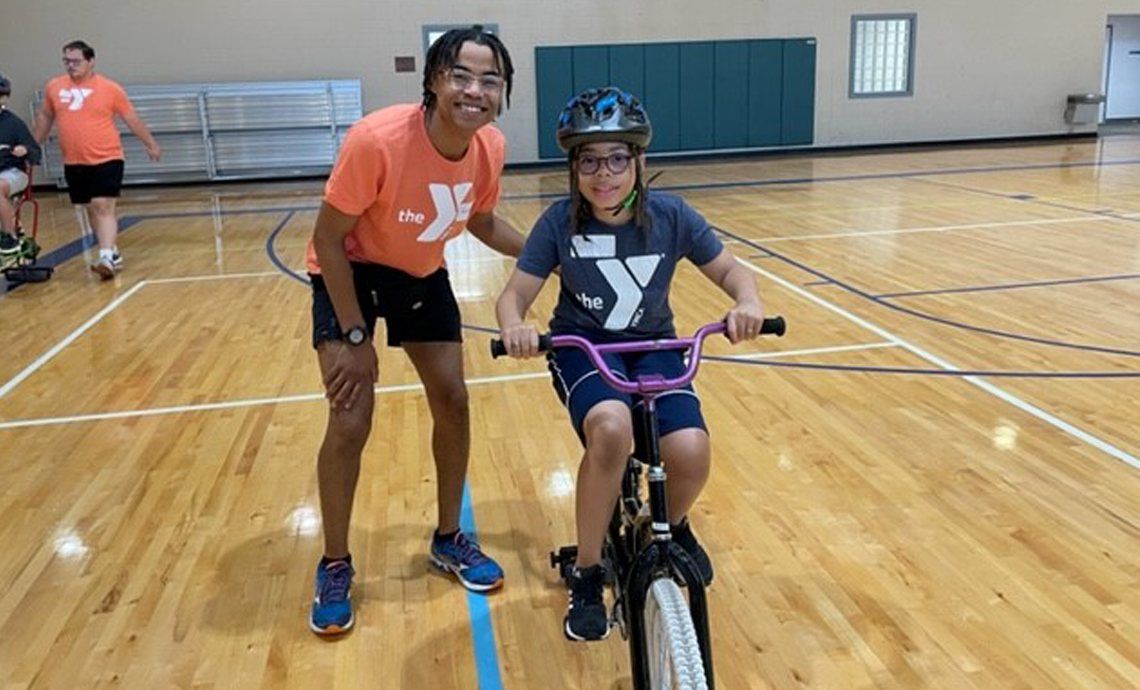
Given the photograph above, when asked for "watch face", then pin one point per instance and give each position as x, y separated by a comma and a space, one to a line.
357, 335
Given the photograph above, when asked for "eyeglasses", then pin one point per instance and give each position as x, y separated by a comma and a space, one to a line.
462, 80
617, 162
73, 62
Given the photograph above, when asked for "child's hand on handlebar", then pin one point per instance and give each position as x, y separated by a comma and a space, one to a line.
521, 340
744, 321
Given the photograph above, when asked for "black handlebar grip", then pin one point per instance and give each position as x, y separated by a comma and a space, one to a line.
774, 325
498, 349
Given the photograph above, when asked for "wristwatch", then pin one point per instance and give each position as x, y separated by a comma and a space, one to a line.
356, 335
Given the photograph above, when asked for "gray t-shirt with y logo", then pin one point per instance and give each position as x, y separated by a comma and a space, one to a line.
615, 279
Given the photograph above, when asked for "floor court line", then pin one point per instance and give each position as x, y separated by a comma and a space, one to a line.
217, 276
908, 174
1029, 408
67, 340
380, 390
1010, 286
933, 228
806, 351
249, 402
921, 314
487, 670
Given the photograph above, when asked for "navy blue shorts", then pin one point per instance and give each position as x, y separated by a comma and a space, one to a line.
580, 387
415, 310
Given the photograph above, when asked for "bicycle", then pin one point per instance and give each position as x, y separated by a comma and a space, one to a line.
669, 642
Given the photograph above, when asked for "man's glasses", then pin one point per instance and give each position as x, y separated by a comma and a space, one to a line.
462, 80
617, 162
73, 62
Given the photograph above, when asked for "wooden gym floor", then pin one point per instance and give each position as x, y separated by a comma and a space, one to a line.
931, 482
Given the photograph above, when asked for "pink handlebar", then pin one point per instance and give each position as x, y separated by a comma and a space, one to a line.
646, 384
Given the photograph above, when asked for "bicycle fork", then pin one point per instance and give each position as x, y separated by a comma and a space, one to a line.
660, 557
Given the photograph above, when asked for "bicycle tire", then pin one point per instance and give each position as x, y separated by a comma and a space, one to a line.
671, 647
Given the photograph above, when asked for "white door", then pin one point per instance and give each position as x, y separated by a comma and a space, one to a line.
1123, 67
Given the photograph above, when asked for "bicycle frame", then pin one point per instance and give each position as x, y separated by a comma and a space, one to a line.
639, 557
636, 560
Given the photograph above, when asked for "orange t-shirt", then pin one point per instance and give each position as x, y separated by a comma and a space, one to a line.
409, 199
85, 112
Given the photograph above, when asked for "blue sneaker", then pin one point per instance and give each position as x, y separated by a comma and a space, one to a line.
462, 557
331, 613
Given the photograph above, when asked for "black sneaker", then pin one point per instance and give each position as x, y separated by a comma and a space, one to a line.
586, 617
683, 535
9, 244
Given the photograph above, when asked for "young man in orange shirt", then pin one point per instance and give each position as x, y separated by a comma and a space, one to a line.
408, 178
85, 105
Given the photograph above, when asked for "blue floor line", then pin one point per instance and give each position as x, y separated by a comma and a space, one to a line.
479, 612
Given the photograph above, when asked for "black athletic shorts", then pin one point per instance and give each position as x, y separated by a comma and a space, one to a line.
87, 182
415, 310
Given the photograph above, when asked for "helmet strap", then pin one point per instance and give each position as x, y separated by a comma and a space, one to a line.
626, 202
632, 196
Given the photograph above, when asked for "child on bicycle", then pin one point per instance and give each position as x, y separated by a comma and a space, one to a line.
17, 150
616, 246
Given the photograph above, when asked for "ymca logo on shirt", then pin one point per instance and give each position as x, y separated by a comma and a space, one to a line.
451, 206
626, 278
73, 97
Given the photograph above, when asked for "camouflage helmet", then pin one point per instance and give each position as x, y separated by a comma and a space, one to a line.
607, 114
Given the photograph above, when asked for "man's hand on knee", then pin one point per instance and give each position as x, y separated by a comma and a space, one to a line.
351, 374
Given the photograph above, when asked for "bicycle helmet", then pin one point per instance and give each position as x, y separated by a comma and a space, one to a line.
607, 114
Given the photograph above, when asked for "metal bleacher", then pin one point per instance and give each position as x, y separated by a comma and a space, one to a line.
233, 131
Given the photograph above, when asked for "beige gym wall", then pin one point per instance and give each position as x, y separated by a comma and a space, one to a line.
983, 68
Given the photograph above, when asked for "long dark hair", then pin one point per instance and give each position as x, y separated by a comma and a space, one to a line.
581, 213
445, 51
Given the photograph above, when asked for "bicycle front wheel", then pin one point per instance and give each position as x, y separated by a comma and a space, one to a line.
674, 656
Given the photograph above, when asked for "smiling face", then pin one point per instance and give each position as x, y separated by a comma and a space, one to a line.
468, 94
603, 188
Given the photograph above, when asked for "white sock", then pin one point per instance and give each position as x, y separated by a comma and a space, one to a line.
108, 254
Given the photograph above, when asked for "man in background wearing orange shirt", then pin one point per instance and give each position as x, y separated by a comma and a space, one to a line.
407, 179
85, 105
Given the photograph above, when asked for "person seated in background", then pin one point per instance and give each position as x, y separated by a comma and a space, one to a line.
18, 150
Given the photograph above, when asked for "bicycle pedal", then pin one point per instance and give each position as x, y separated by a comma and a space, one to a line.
563, 560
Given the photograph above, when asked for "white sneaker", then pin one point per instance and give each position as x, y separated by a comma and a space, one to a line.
117, 260
105, 268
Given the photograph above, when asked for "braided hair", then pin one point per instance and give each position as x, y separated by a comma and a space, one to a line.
442, 54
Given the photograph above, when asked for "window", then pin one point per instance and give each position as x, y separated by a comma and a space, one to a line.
434, 31
882, 55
